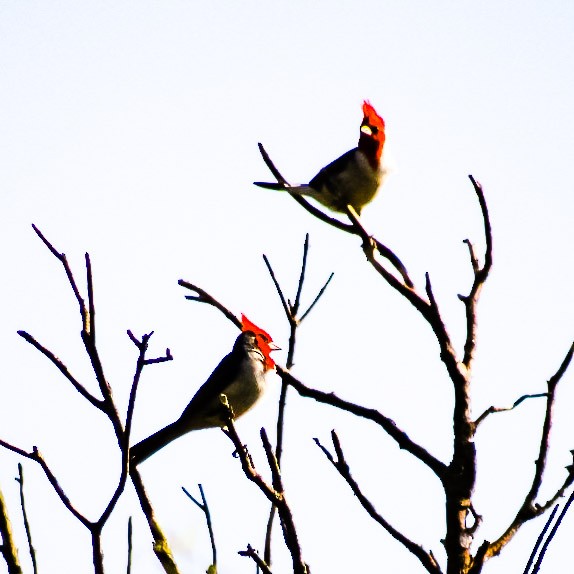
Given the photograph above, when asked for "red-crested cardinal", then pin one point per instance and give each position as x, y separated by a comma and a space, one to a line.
241, 376
355, 177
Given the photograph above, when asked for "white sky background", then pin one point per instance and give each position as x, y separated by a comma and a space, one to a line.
129, 130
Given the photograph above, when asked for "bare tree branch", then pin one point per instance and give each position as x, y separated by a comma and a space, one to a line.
98, 403
204, 297
205, 509
426, 559
275, 493
492, 409
130, 546
160, 545
480, 276
539, 540
251, 553
529, 509
551, 535
32, 551
390, 427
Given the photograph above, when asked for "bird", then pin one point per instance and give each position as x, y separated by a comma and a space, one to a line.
355, 177
241, 376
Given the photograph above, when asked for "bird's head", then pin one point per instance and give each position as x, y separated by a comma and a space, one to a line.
263, 339
372, 137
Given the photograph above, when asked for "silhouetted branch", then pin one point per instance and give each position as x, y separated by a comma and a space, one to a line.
251, 553
529, 509
98, 403
204, 297
492, 409
480, 276
205, 509
37, 457
130, 546
160, 543
274, 493
426, 559
106, 405
291, 310
551, 535
390, 427
20, 481
539, 540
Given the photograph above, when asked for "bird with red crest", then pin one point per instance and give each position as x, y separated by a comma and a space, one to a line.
355, 177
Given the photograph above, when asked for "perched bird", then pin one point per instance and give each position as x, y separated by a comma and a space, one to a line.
355, 177
240, 376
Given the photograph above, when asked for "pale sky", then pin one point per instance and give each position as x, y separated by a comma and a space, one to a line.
130, 129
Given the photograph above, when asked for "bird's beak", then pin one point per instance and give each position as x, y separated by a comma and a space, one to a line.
366, 130
274, 347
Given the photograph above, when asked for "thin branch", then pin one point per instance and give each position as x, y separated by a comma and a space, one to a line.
275, 494
251, 553
31, 549
340, 463
291, 311
130, 546
390, 427
300, 200
529, 509
161, 545
98, 403
37, 457
319, 295
125, 440
480, 276
8, 548
374, 243
64, 261
204, 297
551, 535
297, 302
492, 409
205, 509
286, 307
539, 540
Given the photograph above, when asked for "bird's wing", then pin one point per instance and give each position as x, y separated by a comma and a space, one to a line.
207, 397
331, 171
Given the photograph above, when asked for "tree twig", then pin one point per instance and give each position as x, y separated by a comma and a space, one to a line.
204, 297
340, 463
274, 493
480, 276
130, 546
291, 310
251, 553
31, 549
529, 509
548, 540
203, 506
492, 409
539, 540
390, 427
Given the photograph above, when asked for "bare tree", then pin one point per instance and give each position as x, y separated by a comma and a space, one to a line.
457, 476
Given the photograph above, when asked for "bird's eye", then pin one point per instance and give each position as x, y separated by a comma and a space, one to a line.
374, 130
263, 338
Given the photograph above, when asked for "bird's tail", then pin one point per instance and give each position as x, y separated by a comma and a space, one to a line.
276, 186
144, 449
